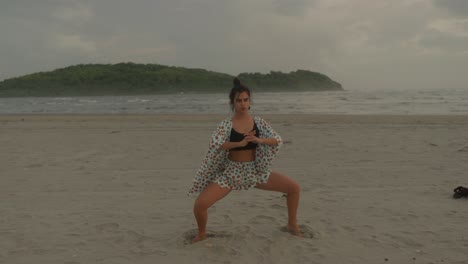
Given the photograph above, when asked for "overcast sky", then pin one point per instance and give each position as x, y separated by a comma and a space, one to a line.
363, 44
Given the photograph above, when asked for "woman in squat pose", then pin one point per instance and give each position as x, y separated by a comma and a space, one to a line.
240, 154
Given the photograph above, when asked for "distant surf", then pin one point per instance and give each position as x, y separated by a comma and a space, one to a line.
451, 102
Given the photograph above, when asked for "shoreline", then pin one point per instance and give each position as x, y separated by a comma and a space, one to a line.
282, 118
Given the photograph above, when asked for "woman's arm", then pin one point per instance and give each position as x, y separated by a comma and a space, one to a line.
242, 143
265, 141
231, 145
246, 140
269, 135
250, 137
268, 141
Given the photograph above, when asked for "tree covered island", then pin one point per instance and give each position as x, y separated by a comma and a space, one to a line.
138, 79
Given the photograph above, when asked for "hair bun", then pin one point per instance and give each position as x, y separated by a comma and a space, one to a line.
236, 82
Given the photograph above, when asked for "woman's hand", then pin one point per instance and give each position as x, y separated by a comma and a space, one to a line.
243, 142
250, 137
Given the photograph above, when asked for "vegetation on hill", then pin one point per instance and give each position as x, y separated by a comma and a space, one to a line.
136, 79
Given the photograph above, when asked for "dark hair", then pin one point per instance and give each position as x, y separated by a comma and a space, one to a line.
237, 88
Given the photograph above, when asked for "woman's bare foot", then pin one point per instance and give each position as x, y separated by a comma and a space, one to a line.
199, 237
294, 229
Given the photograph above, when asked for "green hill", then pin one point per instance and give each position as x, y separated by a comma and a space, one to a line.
137, 79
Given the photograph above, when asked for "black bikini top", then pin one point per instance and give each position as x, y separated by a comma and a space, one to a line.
237, 137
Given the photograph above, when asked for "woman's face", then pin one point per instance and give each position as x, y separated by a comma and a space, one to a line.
242, 102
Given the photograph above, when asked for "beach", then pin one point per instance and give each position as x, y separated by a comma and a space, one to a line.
79, 189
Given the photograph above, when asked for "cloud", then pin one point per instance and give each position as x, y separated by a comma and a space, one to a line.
442, 42
360, 43
74, 43
42, 36
443, 36
292, 7
453, 27
75, 13
457, 7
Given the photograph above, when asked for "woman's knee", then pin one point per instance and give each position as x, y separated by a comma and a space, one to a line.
294, 188
200, 204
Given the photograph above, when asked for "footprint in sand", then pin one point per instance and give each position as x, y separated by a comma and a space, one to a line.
188, 236
227, 219
108, 227
278, 206
349, 228
305, 230
261, 219
31, 166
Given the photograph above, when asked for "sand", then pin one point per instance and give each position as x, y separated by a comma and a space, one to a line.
111, 189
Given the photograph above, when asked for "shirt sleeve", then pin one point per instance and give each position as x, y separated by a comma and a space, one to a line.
218, 137
266, 154
214, 159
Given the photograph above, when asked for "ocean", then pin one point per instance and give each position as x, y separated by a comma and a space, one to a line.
443, 102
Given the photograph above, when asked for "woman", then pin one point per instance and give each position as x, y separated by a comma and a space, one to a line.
241, 151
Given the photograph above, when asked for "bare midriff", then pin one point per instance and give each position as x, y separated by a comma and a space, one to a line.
242, 155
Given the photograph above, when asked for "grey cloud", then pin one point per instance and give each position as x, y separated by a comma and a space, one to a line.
292, 7
444, 42
458, 7
29, 10
352, 42
388, 31
31, 37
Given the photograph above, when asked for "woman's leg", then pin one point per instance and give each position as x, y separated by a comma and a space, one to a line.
281, 183
212, 193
